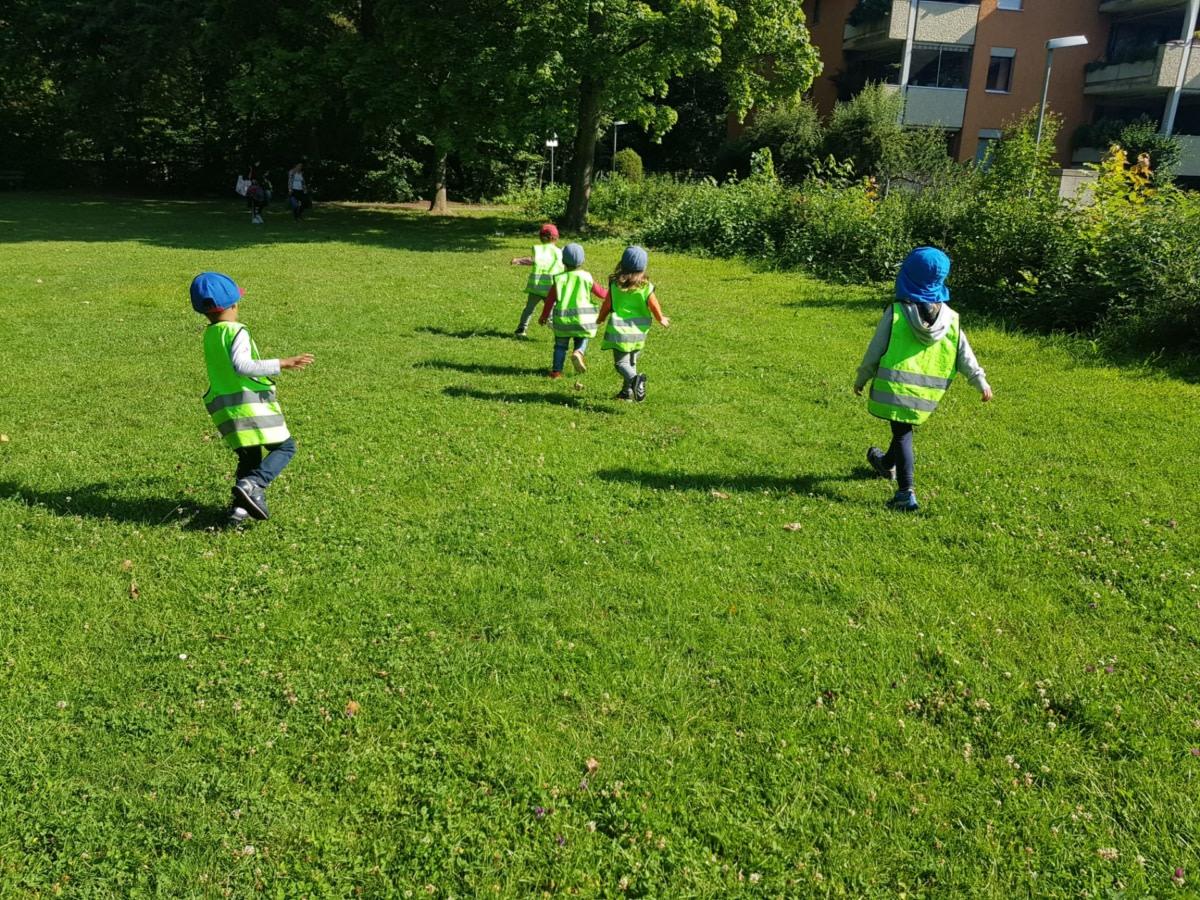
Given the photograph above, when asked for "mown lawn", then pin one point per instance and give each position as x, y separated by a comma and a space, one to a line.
509, 577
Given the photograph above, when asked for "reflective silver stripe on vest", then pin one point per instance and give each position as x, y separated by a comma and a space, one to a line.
914, 378
252, 423
580, 311
240, 399
916, 403
638, 323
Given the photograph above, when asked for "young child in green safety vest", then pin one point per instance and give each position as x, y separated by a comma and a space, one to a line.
915, 353
572, 311
241, 395
628, 310
546, 260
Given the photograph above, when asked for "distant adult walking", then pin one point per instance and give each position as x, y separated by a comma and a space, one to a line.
298, 198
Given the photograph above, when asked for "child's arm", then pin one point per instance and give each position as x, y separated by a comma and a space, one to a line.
605, 309
652, 302
551, 299
521, 261
600, 292
875, 350
969, 366
247, 366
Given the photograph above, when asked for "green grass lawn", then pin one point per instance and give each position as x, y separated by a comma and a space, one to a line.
997, 697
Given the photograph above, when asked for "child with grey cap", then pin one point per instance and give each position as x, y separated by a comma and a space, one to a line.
572, 311
628, 310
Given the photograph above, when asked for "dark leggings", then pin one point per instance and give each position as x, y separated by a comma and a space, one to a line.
900, 454
260, 471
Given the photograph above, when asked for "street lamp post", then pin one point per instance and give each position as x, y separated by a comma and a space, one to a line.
552, 142
1075, 40
617, 124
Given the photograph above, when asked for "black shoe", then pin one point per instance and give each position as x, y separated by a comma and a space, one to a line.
237, 517
875, 460
249, 495
639, 388
521, 332
626, 394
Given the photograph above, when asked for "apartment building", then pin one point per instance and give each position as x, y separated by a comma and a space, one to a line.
975, 65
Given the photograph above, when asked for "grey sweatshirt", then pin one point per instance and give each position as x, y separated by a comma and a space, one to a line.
967, 364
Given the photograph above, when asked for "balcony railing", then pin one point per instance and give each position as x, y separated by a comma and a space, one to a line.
934, 107
1148, 76
1139, 6
938, 22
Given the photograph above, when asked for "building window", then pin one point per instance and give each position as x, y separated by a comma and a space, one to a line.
940, 65
1010, 4
815, 18
988, 137
1000, 70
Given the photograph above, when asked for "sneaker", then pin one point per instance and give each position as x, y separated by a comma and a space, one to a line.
904, 501
577, 362
639, 388
521, 332
238, 516
875, 461
556, 374
249, 495
626, 394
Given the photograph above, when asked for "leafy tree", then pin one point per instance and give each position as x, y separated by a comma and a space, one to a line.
618, 56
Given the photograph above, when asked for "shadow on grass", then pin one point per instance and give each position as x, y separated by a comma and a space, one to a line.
518, 397
478, 368
467, 334
225, 225
687, 481
855, 303
104, 500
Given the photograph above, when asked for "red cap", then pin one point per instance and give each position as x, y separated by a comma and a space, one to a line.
549, 231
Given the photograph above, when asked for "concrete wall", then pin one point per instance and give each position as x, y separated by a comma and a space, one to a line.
941, 23
931, 106
1027, 31
1170, 58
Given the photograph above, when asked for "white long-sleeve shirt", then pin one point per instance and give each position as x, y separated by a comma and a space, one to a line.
244, 362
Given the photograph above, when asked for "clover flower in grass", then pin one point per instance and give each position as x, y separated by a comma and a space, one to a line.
1177, 878
1108, 853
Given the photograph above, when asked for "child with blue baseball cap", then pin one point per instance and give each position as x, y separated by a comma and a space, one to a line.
917, 349
241, 395
572, 311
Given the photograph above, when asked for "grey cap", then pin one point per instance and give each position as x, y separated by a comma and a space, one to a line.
572, 256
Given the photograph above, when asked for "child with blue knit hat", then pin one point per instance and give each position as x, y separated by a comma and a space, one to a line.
241, 395
570, 308
629, 308
917, 349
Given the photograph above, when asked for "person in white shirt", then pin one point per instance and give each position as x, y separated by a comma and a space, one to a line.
298, 199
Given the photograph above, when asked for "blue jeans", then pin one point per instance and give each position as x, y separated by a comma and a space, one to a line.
562, 344
260, 471
900, 454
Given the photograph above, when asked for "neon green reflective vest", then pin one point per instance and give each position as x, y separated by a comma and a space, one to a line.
575, 310
630, 318
547, 262
245, 410
913, 376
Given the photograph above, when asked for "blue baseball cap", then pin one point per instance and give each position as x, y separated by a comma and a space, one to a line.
212, 290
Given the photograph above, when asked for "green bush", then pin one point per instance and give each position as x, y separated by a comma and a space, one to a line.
866, 130
628, 164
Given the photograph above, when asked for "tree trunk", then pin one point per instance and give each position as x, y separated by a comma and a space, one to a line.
587, 132
438, 203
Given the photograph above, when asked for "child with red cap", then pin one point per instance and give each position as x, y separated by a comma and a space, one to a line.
241, 395
546, 260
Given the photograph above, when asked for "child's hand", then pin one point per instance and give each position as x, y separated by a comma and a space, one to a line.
858, 392
543, 320
987, 395
665, 322
296, 362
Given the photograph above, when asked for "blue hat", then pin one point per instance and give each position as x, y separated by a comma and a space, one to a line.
212, 290
634, 259
572, 256
922, 277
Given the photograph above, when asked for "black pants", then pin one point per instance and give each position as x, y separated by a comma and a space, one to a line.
299, 204
900, 454
262, 472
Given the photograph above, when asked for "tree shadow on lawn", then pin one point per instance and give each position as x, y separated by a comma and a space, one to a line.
528, 397
467, 334
221, 225
478, 368
685, 481
102, 500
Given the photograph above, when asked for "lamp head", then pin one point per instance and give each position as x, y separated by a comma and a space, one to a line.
1060, 43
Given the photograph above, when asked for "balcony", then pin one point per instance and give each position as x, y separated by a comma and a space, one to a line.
1115, 7
938, 22
1145, 77
934, 107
